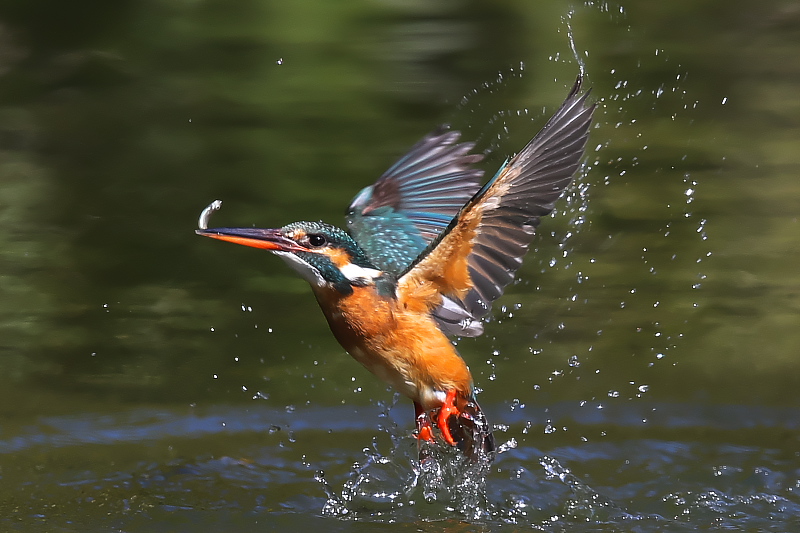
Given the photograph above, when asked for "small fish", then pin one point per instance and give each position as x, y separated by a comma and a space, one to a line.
202, 222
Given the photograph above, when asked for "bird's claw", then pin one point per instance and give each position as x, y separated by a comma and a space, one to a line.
447, 410
424, 428
425, 433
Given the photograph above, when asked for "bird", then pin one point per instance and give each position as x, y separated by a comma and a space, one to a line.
427, 251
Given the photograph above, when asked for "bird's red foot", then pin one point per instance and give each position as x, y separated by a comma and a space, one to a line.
425, 432
447, 410
424, 428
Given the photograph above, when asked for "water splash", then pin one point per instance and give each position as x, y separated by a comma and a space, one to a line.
384, 484
585, 503
571, 38
412, 472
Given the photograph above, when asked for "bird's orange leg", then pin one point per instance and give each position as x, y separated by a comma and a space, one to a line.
447, 410
424, 428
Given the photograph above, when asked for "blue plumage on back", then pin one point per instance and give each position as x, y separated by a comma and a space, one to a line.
412, 202
392, 239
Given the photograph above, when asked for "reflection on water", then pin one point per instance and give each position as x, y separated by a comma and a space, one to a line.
253, 462
645, 364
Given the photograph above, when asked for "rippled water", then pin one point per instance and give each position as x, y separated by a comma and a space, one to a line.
732, 474
642, 374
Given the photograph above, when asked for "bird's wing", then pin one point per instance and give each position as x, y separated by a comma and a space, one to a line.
394, 219
477, 255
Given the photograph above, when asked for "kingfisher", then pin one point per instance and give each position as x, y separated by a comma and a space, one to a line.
427, 252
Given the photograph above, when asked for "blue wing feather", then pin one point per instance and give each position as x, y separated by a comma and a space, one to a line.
523, 190
394, 219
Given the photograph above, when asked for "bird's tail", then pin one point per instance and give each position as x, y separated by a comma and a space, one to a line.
471, 431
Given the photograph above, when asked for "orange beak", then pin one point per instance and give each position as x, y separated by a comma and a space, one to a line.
266, 239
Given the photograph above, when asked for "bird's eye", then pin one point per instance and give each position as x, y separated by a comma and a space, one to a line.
316, 240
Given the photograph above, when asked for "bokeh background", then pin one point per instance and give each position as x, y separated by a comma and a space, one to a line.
646, 365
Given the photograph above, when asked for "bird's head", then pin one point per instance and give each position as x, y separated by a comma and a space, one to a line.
324, 255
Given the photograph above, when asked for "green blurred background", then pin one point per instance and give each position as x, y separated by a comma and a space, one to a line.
151, 380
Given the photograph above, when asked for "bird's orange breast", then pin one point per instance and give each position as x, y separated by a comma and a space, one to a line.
397, 343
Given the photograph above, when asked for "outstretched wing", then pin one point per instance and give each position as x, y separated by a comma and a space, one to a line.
414, 201
474, 259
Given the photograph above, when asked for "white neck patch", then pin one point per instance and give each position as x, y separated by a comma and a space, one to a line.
358, 273
353, 273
